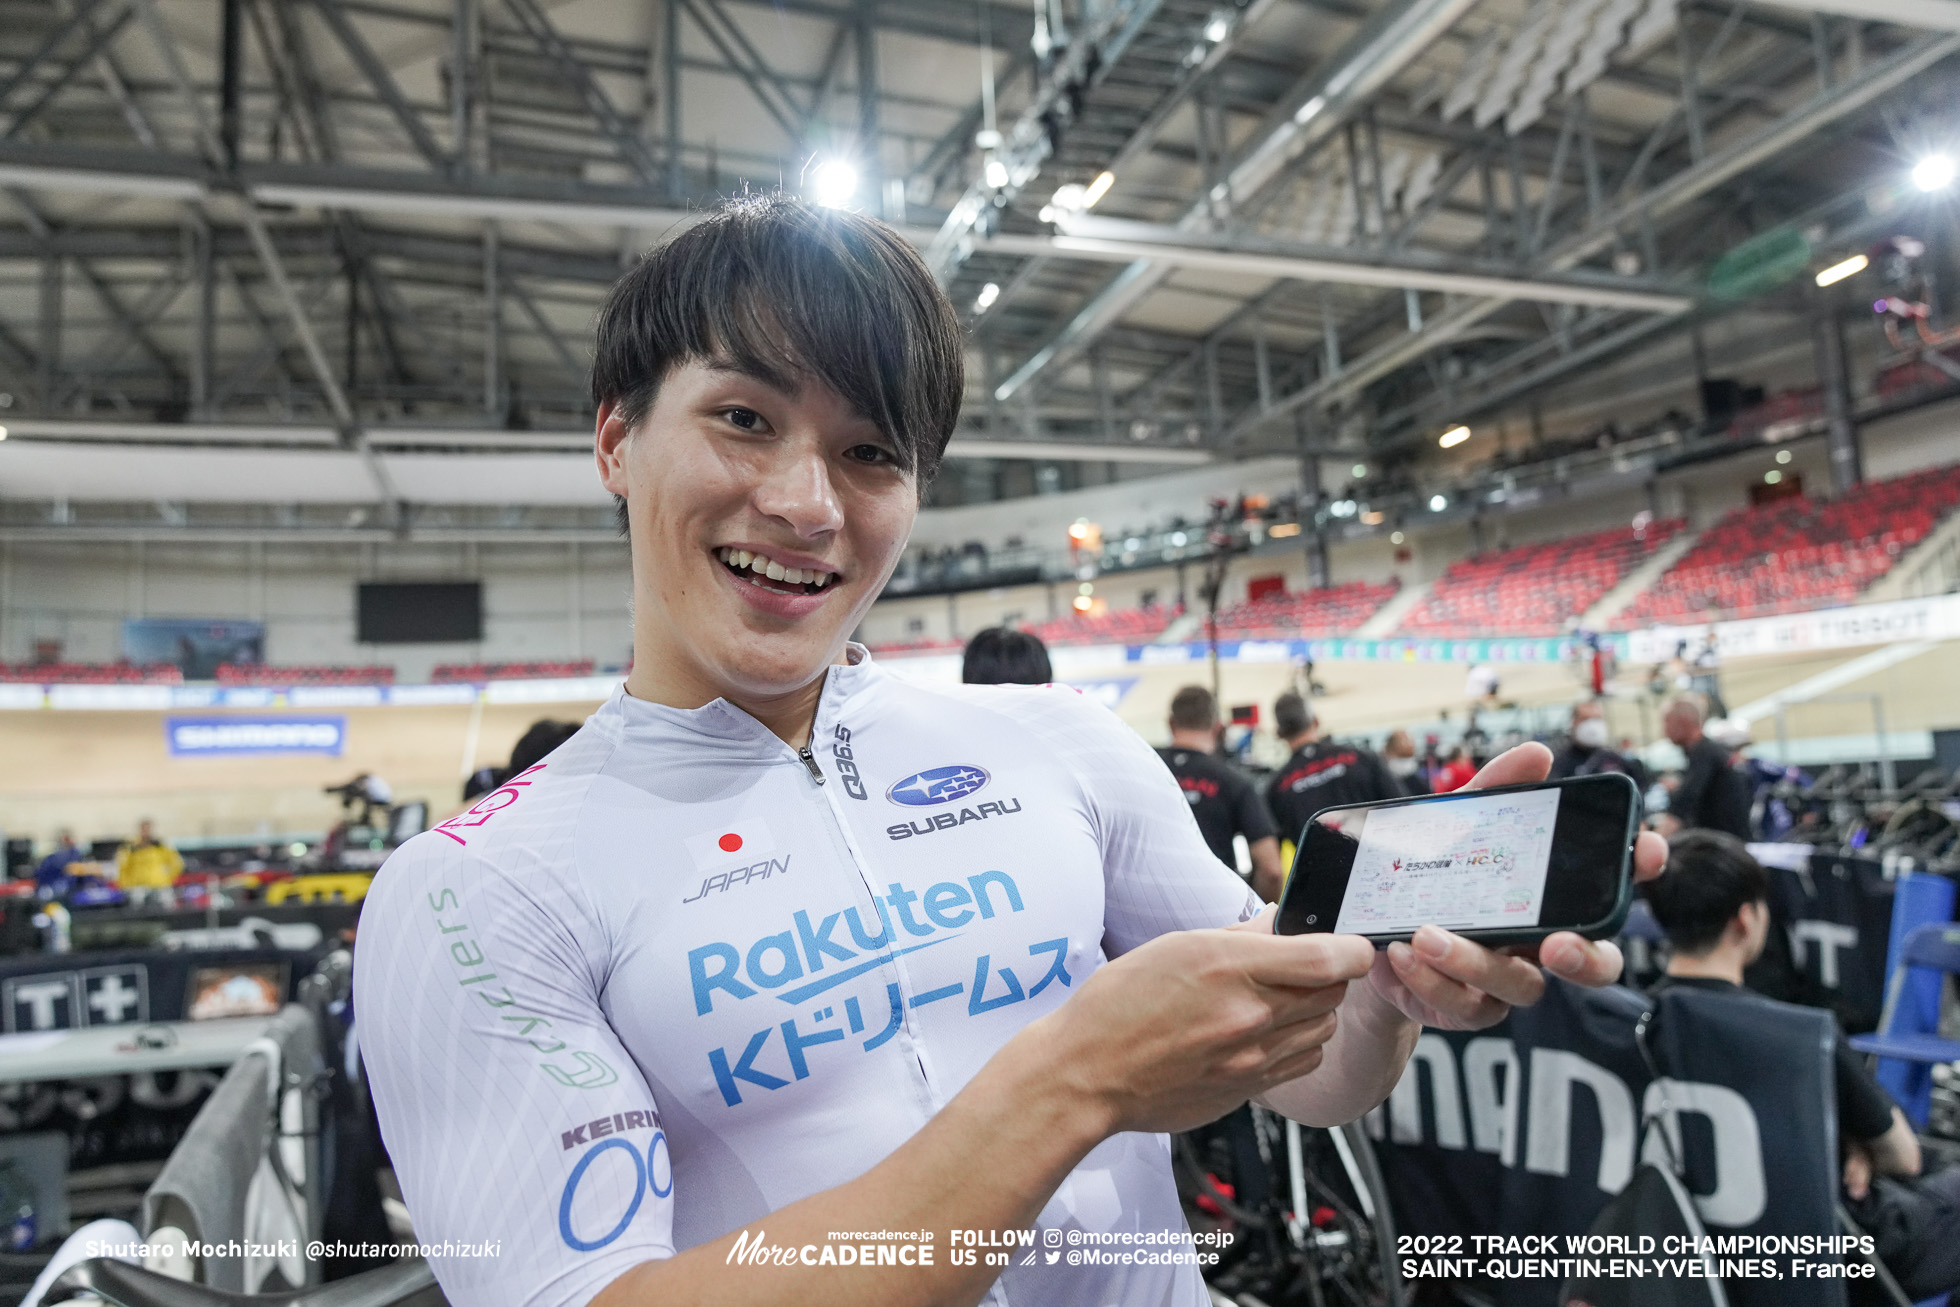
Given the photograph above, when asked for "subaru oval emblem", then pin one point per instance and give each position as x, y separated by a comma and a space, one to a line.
937, 785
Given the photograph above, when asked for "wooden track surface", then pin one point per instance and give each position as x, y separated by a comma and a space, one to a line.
100, 772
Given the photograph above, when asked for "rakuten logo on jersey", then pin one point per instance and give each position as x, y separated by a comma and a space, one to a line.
808, 962
734, 855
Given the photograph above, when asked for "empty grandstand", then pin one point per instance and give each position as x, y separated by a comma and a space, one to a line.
267, 674
1533, 589
1329, 611
1792, 554
511, 671
92, 673
1113, 626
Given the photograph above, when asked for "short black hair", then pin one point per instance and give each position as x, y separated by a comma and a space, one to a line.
1708, 877
789, 291
1291, 716
536, 743
1193, 709
1000, 655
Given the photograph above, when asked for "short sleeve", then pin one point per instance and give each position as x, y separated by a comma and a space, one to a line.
1864, 1108
523, 1135
1254, 821
1159, 875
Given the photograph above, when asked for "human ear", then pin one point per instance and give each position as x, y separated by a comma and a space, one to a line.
609, 447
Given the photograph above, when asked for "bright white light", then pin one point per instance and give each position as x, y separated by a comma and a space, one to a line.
1307, 111
986, 140
1453, 437
1341, 508
1437, 503
1179, 539
1047, 213
832, 183
995, 173
1069, 197
1218, 27
1783, 456
988, 294
1935, 172
1360, 470
3, 433
1097, 189
1837, 272
1396, 539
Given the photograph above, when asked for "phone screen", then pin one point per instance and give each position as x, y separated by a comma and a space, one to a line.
1514, 861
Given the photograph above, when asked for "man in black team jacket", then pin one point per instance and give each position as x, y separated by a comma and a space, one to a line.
1223, 801
1321, 773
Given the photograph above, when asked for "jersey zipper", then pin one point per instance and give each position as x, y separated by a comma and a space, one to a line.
810, 761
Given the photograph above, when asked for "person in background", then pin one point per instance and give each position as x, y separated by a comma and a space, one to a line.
1588, 747
1712, 899
1321, 773
1399, 756
148, 863
1711, 793
1456, 771
1224, 803
52, 871
1002, 656
531, 748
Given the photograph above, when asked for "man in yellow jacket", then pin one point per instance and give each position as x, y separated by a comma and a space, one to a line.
148, 863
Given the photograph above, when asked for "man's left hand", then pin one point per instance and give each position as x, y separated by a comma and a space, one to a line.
1444, 980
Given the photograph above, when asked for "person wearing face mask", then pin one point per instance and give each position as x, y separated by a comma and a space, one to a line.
1399, 756
1586, 750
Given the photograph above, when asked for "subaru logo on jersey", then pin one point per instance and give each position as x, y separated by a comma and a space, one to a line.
937, 785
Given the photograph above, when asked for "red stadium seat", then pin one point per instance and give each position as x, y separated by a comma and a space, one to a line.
1795, 554
1533, 589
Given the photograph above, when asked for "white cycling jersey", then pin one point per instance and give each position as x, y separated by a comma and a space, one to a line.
665, 982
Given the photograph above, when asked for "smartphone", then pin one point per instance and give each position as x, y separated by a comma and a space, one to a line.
1502, 866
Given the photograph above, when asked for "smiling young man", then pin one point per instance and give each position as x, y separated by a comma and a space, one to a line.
781, 956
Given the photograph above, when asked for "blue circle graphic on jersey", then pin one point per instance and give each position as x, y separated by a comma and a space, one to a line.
937, 785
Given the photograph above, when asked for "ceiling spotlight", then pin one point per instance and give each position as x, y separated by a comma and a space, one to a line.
1837, 272
1783, 456
833, 182
1098, 188
986, 139
995, 173
1772, 476
1048, 213
1453, 437
1360, 470
1218, 26
1396, 539
1935, 172
1437, 503
1069, 197
988, 294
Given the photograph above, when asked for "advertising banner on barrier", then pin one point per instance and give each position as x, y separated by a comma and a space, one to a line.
1933, 618
217, 737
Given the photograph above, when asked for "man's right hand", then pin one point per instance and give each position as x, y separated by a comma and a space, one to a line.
1185, 1028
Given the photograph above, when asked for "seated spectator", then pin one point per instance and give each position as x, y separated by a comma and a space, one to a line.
52, 871
148, 863
1712, 899
1002, 656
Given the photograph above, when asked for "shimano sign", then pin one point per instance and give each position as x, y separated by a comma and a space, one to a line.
192, 737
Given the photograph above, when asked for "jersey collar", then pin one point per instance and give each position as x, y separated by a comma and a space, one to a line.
721, 721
